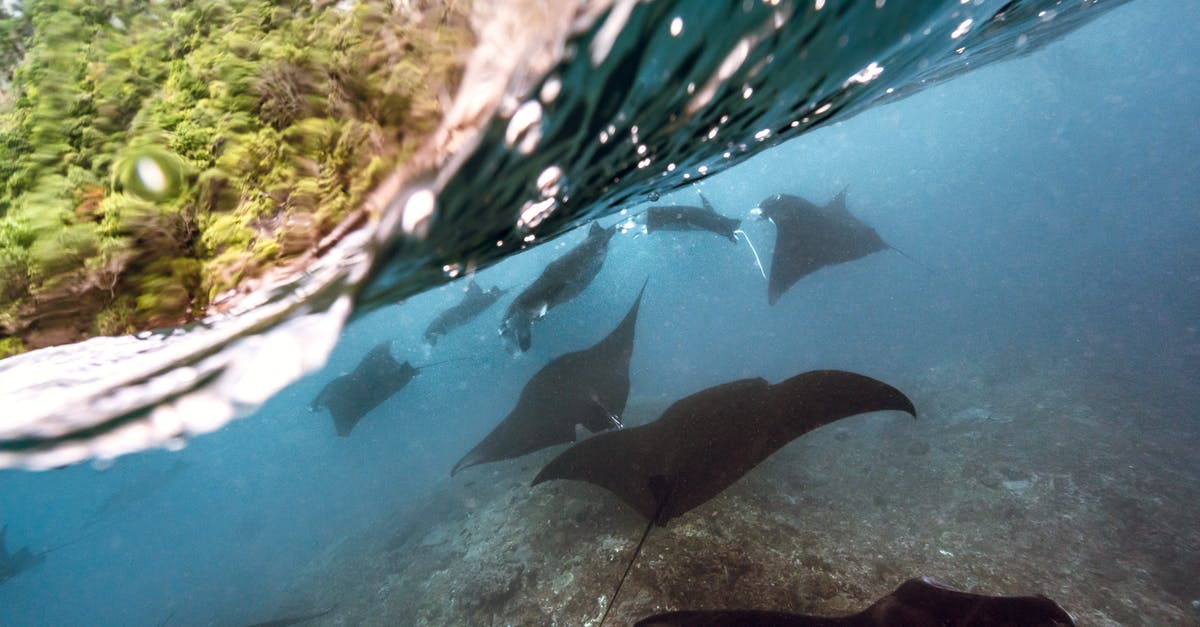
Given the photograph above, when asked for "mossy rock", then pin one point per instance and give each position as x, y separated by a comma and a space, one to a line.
165, 291
116, 319
226, 271
229, 138
58, 252
11, 346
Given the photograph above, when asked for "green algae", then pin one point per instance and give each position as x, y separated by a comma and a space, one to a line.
154, 155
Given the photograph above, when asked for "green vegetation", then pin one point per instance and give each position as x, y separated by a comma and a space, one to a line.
153, 153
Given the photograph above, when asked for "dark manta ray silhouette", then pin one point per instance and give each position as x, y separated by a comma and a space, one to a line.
474, 302
916, 603
689, 218
13, 564
563, 279
588, 387
811, 237
705, 442
376, 378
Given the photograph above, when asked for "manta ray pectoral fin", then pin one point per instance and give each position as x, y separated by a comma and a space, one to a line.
915, 602
318, 402
841, 196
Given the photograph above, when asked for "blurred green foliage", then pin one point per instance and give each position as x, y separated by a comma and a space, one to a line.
153, 153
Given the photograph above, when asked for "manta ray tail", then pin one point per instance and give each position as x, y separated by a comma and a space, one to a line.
62, 546
439, 363
659, 488
911, 258
757, 261
628, 567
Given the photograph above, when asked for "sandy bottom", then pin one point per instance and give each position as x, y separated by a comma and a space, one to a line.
1016, 479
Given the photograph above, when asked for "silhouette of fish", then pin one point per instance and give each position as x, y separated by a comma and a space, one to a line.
588, 387
376, 378
811, 237
474, 302
561, 280
707, 441
690, 218
916, 603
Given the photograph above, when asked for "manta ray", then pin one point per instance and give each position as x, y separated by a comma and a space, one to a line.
705, 442
561, 280
474, 302
13, 564
811, 237
376, 378
588, 387
690, 218
919, 602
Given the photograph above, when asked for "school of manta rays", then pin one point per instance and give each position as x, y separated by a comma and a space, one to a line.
701, 444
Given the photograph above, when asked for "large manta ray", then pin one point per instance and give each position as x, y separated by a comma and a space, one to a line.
689, 218
811, 237
561, 281
916, 603
474, 302
376, 378
588, 387
705, 442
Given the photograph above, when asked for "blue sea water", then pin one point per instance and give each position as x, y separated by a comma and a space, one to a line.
1050, 208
